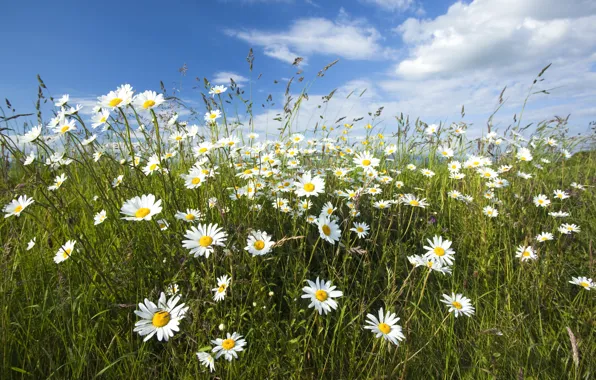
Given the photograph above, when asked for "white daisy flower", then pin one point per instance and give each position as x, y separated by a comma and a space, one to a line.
203, 239
16, 206
64, 252
229, 347
321, 294
385, 326
162, 319
219, 293
259, 243
458, 304
141, 208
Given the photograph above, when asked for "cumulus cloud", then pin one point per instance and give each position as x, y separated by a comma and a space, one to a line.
343, 37
223, 77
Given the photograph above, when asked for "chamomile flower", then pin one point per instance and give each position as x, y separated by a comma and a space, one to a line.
321, 295
32, 135
203, 239
365, 160
414, 201
64, 252
560, 194
65, 125
525, 253
219, 293
206, 360
567, 229
212, 116
216, 90
191, 215
58, 181
100, 217
172, 289
100, 118
541, 200
16, 206
544, 236
328, 229
440, 250
385, 326
491, 212
259, 243
586, 283
458, 304
30, 158
229, 347
141, 208
308, 186
62, 101
163, 224
162, 319
361, 229
119, 98
148, 100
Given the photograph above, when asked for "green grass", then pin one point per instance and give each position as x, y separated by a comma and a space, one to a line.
75, 319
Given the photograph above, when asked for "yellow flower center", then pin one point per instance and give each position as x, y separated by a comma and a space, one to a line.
248, 171
439, 251
161, 318
103, 119
326, 230
19, 208
212, 115
148, 104
152, 167
540, 201
228, 344
365, 162
190, 217
162, 226
65, 128
178, 138
222, 288
309, 187
202, 150
526, 254
196, 181
456, 305
115, 102
259, 244
384, 328
414, 202
66, 253
142, 212
321, 295
584, 284
205, 241
360, 229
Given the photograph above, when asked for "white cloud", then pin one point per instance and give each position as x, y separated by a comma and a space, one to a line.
392, 5
223, 77
344, 37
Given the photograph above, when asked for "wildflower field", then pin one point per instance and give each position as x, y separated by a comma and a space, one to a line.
144, 244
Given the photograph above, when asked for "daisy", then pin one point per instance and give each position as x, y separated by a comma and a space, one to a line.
172, 289
222, 285
491, 212
328, 209
524, 154
100, 118
141, 208
66, 125
427, 172
541, 200
308, 185
100, 217
30, 158
560, 194
259, 243
458, 304
382, 205
321, 294
430, 262
525, 253
559, 214
16, 206
361, 229
65, 251
328, 229
148, 100
414, 201
161, 319
163, 224
229, 347
119, 98
206, 360
58, 181
440, 250
117, 181
203, 239
586, 283
445, 151
365, 160
385, 326
212, 116
544, 236
62, 101
191, 215
32, 135
216, 90
567, 229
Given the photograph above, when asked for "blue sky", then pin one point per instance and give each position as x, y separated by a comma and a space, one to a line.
423, 58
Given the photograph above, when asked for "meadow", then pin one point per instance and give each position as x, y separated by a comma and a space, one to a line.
143, 244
